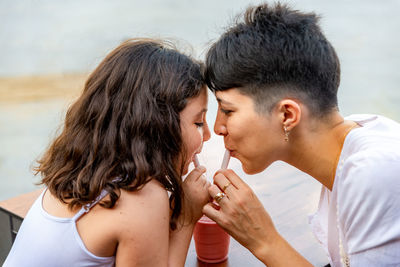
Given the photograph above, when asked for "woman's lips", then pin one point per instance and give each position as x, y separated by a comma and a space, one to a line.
232, 152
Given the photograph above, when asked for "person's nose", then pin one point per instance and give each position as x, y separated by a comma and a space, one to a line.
206, 132
219, 126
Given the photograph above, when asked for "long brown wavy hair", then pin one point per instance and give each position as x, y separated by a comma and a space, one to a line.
125, 125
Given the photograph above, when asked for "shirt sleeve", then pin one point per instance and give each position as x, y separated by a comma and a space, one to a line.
369, 208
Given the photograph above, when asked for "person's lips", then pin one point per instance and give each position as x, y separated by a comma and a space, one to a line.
232, 152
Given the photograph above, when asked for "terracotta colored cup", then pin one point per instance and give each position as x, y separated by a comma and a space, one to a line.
211, 241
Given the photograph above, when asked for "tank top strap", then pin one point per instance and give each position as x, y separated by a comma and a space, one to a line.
86, 208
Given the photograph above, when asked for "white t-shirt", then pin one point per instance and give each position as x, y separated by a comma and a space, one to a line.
361, 214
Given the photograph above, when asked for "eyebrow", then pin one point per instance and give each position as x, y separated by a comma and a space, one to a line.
219, 100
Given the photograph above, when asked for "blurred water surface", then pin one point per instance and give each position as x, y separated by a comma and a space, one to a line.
39, 37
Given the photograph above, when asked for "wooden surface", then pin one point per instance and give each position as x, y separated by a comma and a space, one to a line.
20, 205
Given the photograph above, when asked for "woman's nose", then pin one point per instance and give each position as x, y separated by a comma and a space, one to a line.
219, 126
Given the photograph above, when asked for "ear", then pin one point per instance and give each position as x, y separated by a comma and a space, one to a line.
289, 113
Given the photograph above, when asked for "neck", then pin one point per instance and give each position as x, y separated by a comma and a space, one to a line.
317, 145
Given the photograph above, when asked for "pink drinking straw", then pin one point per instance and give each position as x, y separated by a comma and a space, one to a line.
226, 159
196, 161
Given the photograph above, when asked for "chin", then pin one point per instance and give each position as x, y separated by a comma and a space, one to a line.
185, 169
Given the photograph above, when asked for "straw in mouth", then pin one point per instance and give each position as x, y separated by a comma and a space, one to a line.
196, 161
226, 159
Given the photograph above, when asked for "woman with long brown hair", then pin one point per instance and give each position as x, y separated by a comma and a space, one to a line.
114, 193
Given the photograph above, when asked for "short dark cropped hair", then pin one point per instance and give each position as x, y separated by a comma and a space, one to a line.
276, 52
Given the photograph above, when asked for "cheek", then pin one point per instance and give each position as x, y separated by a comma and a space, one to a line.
237, 129
197, 138
246, 135
192, 140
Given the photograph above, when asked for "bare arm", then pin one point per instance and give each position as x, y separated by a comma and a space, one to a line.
195, 189
143, 220
243, 216
179, 245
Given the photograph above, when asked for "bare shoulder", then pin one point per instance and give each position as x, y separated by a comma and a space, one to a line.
151, 201
152, 194
137, 220
142, 223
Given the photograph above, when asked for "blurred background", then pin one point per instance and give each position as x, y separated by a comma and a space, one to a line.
47, 49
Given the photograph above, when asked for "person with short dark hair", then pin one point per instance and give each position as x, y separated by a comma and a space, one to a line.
114, 194
275, 77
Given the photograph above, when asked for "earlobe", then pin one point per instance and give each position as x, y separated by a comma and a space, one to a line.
290, 111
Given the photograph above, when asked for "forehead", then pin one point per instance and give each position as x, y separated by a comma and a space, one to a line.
242, 104
196, 104
200, 100
233, 97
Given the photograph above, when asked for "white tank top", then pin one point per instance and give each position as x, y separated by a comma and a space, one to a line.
45, 240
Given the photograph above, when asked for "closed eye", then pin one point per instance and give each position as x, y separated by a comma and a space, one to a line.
199, 124
225, 111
